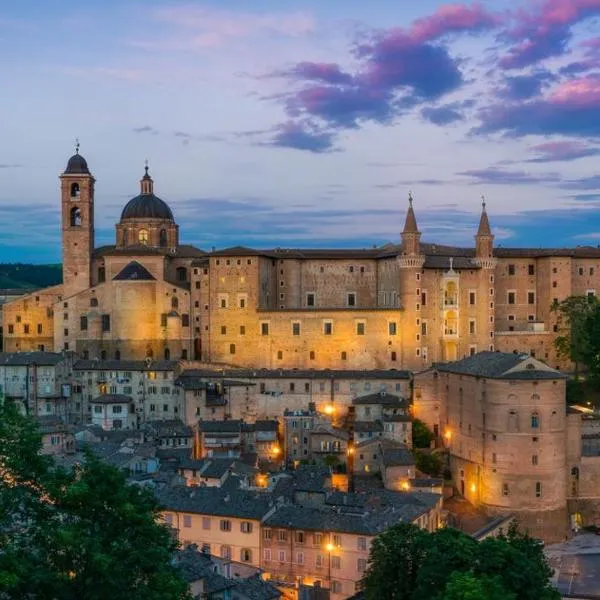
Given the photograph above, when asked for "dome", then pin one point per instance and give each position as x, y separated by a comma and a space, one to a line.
147, 206
77, 165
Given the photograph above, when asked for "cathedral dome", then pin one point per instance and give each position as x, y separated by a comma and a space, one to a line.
147, 206
77, 165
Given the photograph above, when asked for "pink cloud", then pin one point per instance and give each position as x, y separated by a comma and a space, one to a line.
584, 91
545, 32
453, 18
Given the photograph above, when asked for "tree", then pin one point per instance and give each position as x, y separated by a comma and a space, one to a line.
590, 354
80, 534
428, 463
421, 435
408, 563
466, 586
573, 341
394, 562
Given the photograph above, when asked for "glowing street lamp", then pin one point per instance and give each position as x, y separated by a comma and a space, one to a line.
330, 547
329, 409
473, 488
405, 485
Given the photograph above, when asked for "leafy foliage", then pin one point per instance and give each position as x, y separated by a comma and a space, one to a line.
80, 534
429, 463
421, 435
574, 341
408, 563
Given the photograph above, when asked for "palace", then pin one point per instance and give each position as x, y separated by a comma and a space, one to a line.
402, 306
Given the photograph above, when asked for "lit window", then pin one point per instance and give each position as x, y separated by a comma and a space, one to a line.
143, 236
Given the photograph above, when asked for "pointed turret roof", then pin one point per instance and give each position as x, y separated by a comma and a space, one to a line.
484, 223
410, 224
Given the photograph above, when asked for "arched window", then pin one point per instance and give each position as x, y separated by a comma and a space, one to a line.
163, 238
246, 555
167, 354
125, 237
174, 302
103, 355
117, 355
513, 420
74, 190
535, 420
75, 217
143, 236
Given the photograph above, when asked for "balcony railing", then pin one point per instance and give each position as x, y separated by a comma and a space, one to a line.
450, 302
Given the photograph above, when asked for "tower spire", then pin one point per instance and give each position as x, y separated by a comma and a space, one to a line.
410, 224
484, 223
146, 183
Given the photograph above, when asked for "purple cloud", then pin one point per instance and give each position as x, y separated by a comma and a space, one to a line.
442, 115
572, 108
562, 151
522, 87
397, 70
493, 175
546, 31
301, 136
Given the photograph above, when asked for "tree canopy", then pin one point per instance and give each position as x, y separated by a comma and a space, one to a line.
421, 435
577, 316
76, 534
408, 563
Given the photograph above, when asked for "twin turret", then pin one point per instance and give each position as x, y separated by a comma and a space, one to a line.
484, 240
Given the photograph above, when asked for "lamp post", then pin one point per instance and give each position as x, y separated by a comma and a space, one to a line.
329, 547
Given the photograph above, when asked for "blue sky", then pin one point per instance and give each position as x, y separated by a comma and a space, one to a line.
305, 123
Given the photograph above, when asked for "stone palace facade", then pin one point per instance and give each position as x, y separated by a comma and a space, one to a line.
403, 306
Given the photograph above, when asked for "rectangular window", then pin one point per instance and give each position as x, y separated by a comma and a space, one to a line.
472, 326
530, 297
424, 328
39, 328
361, 565
246, 527
264, 329
163, 320
360, 328
538, 489
187, 520
267, 554
327, 327
423, 298
392, 327
83, 323
185, 320
223, 330
300, 558
472, 298
225, 525
310, 299
531, 269
361, 543
351, 299
505, 490
336, 562
296, 328
534, 459
242, 330
242, 302
511, 269
105, 322
511, 297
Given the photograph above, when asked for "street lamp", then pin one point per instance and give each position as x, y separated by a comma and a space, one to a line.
329, 409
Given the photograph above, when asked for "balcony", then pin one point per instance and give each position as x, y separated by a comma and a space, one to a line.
451, 332
451, 302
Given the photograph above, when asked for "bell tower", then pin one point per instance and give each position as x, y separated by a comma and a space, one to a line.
77, 201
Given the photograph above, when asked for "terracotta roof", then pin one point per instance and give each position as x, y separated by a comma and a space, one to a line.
182, 251
410, 224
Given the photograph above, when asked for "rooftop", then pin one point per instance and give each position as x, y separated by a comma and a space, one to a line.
125, 365
382, 398
22, 359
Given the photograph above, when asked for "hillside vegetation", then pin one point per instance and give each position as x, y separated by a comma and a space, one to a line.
24, 276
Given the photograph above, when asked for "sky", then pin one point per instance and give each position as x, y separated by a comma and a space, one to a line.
304, 123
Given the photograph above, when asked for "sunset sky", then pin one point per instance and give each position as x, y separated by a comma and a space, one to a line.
304, 123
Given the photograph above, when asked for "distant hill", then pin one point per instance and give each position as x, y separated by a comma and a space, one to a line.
23, 276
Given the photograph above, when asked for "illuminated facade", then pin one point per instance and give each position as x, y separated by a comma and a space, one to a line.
400, 306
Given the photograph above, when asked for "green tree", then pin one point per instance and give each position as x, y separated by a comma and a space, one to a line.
394, 563
408, 563
421, 435
84, 534
428, 463
591, 352
466, 586
573, 341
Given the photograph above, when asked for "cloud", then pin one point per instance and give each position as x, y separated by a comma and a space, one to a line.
444, 115
583, 183
594, 235
397, 69
565, 150
545, 31
572, 108
145, 129
494, 175
522, 87
198, 27
301, 136
10, 166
